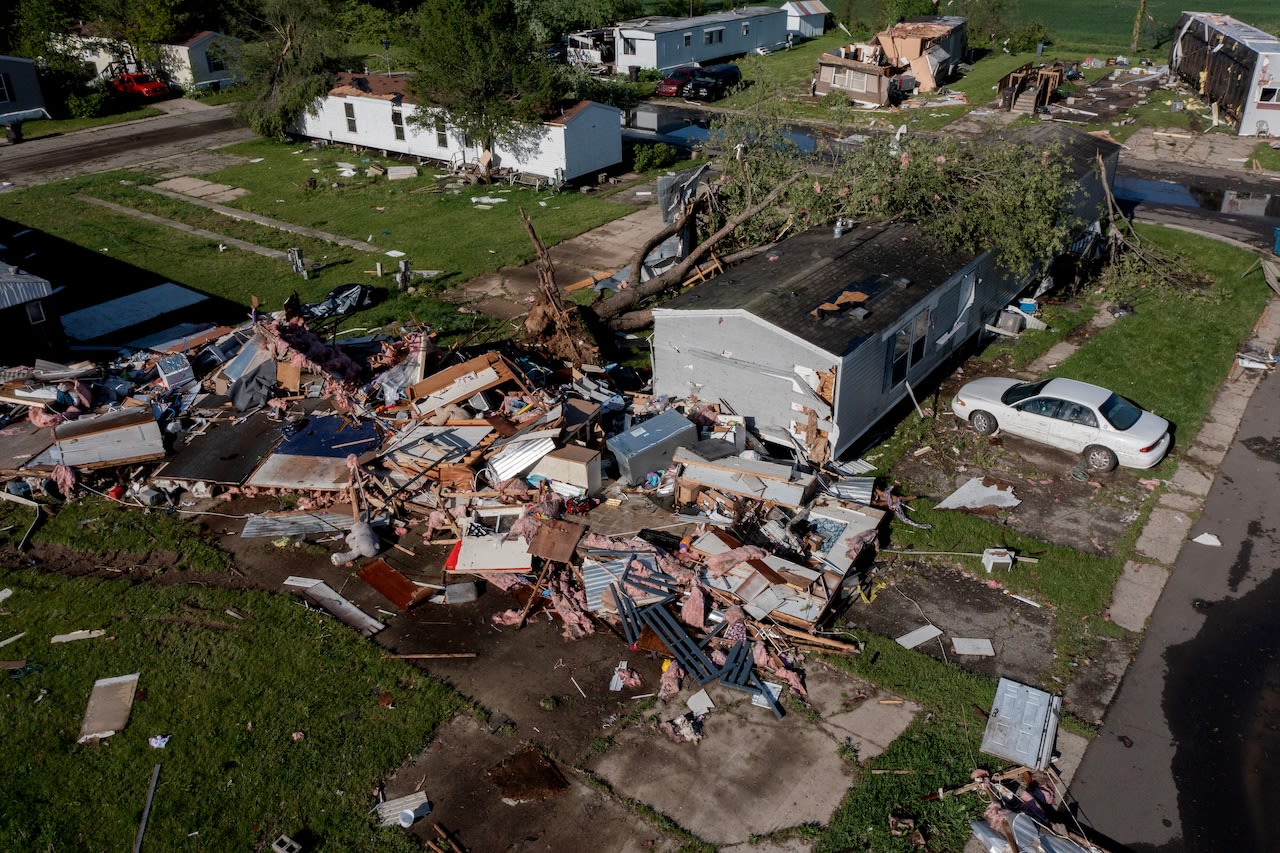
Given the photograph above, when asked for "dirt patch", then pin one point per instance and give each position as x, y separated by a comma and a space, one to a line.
1059, 502
961, 604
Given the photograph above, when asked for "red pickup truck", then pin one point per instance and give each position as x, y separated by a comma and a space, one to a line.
136, 85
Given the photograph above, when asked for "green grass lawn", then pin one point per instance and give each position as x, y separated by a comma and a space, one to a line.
55, 127
436, 230
231, 692
98, 526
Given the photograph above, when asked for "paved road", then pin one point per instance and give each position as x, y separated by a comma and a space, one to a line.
1183, 761
187, 128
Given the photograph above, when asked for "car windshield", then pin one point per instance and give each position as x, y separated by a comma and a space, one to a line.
1022, 391
1119, 412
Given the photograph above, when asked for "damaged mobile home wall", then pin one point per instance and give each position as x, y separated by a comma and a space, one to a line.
1232, 66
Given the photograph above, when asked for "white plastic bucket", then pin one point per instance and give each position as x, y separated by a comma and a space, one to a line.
408, 816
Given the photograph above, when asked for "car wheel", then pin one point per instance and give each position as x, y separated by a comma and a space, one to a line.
983, 423
1098, 458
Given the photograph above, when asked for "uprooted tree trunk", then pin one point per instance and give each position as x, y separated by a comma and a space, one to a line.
553, 328
615, 310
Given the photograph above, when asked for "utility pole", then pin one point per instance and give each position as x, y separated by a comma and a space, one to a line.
1137, 24
386, 51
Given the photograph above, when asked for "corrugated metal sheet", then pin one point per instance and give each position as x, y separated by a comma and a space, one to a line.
324, 596
518, 457
304, 523
20, 288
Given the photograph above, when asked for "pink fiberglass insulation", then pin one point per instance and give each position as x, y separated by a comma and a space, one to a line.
719, 564
669, 685
693, 612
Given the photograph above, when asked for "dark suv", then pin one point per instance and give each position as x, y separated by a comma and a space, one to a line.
712, 83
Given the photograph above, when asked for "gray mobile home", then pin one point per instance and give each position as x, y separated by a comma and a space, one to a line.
820, 336
663, 43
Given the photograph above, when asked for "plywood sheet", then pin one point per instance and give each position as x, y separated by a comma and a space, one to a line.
110, 703
395, 587
556, 540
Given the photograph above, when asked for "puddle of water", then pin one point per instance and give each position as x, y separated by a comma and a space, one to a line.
1217, 199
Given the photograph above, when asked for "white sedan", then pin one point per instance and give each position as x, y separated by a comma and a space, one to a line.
1075, 416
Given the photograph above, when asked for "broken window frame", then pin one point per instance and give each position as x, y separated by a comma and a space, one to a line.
35, 312
908, 346
746, 28
349, 109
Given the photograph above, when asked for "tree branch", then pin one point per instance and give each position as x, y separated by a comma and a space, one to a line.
625, 299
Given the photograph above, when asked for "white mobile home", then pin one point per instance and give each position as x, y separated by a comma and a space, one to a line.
202, 61
662, 43
1233, 66
376, 111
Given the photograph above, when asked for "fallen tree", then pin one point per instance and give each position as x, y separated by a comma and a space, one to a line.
615, 310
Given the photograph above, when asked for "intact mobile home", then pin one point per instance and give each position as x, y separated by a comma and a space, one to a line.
822, 335
375, 111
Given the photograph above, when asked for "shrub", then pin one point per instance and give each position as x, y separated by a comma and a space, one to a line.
655, 156
88, 104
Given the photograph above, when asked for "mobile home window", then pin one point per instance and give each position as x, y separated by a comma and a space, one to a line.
397, 121
715, 36
746, 29
214, 63
350, 110
442, 137
688, 39
35, 312
908, 347
1268, 96
629, 47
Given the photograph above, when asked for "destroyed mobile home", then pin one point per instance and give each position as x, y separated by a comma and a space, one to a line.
501, 466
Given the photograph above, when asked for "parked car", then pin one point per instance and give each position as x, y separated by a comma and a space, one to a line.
1075, 416
138, 85
673, 81
712, 83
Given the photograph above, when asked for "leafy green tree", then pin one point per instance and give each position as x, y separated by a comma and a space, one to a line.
287, 62
140, 26
551, 20
483, 64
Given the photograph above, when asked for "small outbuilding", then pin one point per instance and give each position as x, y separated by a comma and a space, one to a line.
1234, 67
806, 18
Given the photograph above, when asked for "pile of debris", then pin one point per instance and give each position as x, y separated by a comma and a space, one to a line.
508, 462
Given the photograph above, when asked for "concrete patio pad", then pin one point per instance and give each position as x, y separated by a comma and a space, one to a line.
755, 774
